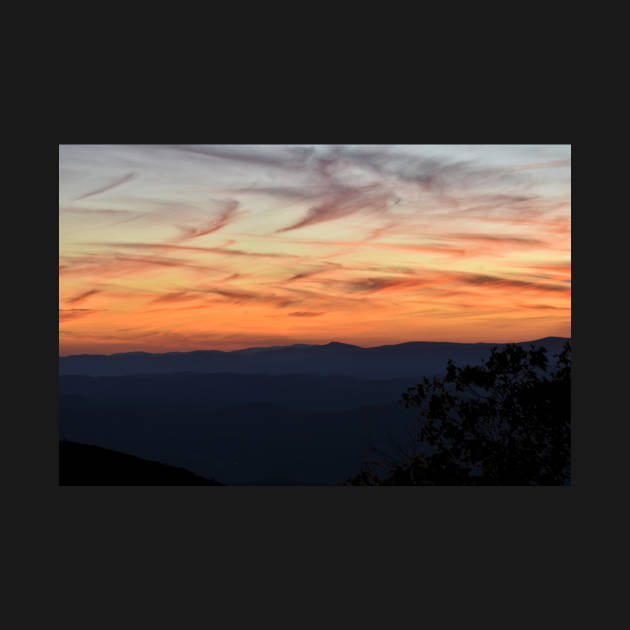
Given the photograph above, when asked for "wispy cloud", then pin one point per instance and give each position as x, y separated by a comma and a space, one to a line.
76, 313
377, 285
226, 251
344, 203
226, 216
104, 267
497, 281
498, 238
329, 266
98, 211
114, 184
81, 297
548, 307
290, 158
552, 164
175, 296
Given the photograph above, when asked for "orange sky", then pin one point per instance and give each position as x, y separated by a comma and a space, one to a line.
173, 248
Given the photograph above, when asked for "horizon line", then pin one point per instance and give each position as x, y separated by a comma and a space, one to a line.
311, 345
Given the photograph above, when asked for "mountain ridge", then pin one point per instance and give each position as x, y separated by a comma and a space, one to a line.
408, 359
330, 344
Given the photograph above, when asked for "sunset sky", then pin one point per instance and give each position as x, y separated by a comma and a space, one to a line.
175, 248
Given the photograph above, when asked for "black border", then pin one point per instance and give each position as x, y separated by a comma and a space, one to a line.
396, 539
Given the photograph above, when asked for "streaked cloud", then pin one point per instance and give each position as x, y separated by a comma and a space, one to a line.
110, 186
68, 314
81, 297
176, 296
495, 281
343, 204
225, 217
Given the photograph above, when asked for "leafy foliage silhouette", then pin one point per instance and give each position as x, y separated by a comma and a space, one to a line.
506, 421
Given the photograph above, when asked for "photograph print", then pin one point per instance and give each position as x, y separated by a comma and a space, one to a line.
315, 315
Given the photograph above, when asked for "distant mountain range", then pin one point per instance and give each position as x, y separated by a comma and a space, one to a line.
267, 416
412, 359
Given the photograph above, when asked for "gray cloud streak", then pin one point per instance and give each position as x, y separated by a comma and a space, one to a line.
114, 184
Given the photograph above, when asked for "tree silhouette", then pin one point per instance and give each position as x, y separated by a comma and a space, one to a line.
504, 422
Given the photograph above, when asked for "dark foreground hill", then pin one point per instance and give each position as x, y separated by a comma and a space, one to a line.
413, 359
85, 464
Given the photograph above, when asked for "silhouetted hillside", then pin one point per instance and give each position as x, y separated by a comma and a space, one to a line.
413, 359
85, 464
